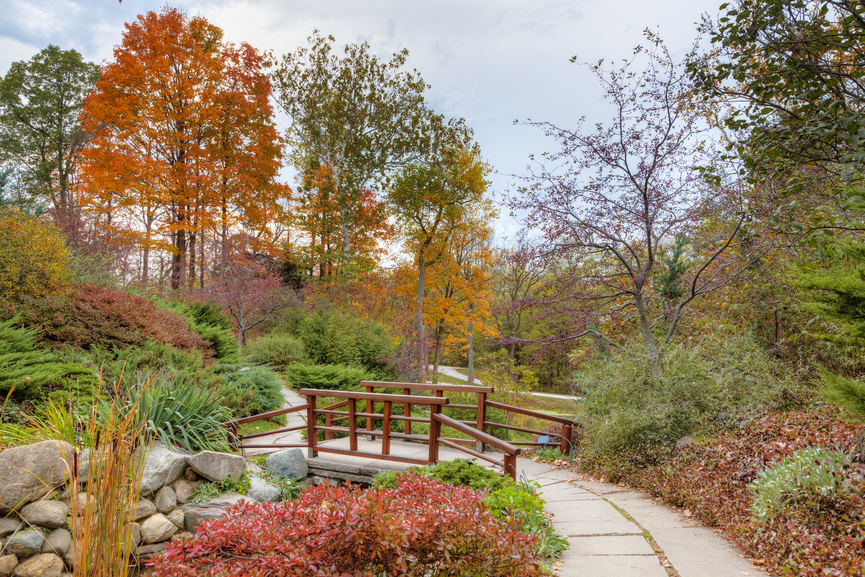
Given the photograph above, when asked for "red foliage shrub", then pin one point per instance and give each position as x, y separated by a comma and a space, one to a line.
711, 480
421, 527
93, 314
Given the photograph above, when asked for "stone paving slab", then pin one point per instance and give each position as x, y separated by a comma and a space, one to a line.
610, 545
611, 566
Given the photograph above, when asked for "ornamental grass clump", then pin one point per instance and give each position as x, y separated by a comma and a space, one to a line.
102, 511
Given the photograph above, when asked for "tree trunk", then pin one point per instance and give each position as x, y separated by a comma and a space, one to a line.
439, 333
421, 338
471, 343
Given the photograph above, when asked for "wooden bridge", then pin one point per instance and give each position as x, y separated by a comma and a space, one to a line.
344, 417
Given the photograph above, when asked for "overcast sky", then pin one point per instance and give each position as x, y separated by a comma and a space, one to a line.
489, 61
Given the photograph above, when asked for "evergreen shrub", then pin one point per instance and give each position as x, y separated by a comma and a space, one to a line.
339, 338
332, 377
276, 349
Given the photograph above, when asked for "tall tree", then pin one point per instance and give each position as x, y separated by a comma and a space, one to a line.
518, 273
429, 202
358, 116
183, 135
40, 130
796, 70
619, 192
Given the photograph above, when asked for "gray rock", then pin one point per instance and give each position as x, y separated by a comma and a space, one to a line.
145, 509
157, 529
147, 552
32, 471
136, 533
9, 526
177, 517
49, 514
195, 515
218, 466
261, 490
57, 542
228, 500
166, 499
24, 543
45, 565
7, 565
684, 442
161, 467
184, 489
71, 556
82, 500
288, 463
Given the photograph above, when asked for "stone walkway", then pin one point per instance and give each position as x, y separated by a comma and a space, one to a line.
612, 531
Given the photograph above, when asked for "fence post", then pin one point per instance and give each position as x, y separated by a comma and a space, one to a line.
310, 426
385, 429
328, 421
434, 433
482, 416
352, 424
406, 412
510, 463
565, 446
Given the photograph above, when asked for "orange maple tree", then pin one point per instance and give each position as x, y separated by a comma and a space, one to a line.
184, 138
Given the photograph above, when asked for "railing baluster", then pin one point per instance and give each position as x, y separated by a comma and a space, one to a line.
352, 425
565, 445
482, 416
385, 428
369, 408
311, 433
434, 433
406, 412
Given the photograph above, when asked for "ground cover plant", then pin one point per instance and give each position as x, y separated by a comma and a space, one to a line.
421, 527
808, 533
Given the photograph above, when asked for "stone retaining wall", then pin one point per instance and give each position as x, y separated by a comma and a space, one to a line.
36, 489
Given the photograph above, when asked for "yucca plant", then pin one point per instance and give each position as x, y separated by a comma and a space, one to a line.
176, 415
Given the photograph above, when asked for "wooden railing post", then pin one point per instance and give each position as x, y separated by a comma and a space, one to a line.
510, 463
565, 446
311, 433
482, 416
328, 421
406, 412
434, 434
352, 424
385, 429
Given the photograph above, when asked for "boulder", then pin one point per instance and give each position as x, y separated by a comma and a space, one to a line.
166, 499
136, 533
58, 542
32, 471
24, 543
261, 490
194, 515
7, 565
184, 489
48, 514
82, 500
288, 463
177, 517
45, 565
157, 529
161, 467
218, 466
9, 526
145, 509
147, 552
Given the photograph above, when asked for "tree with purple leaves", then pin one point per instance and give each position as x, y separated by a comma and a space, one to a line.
617, 208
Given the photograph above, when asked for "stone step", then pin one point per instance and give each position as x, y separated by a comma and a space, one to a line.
327, 469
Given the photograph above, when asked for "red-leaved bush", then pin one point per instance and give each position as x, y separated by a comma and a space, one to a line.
93, 314
422, 527
711, 479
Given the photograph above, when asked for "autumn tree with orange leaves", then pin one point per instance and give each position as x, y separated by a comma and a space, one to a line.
184, 140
